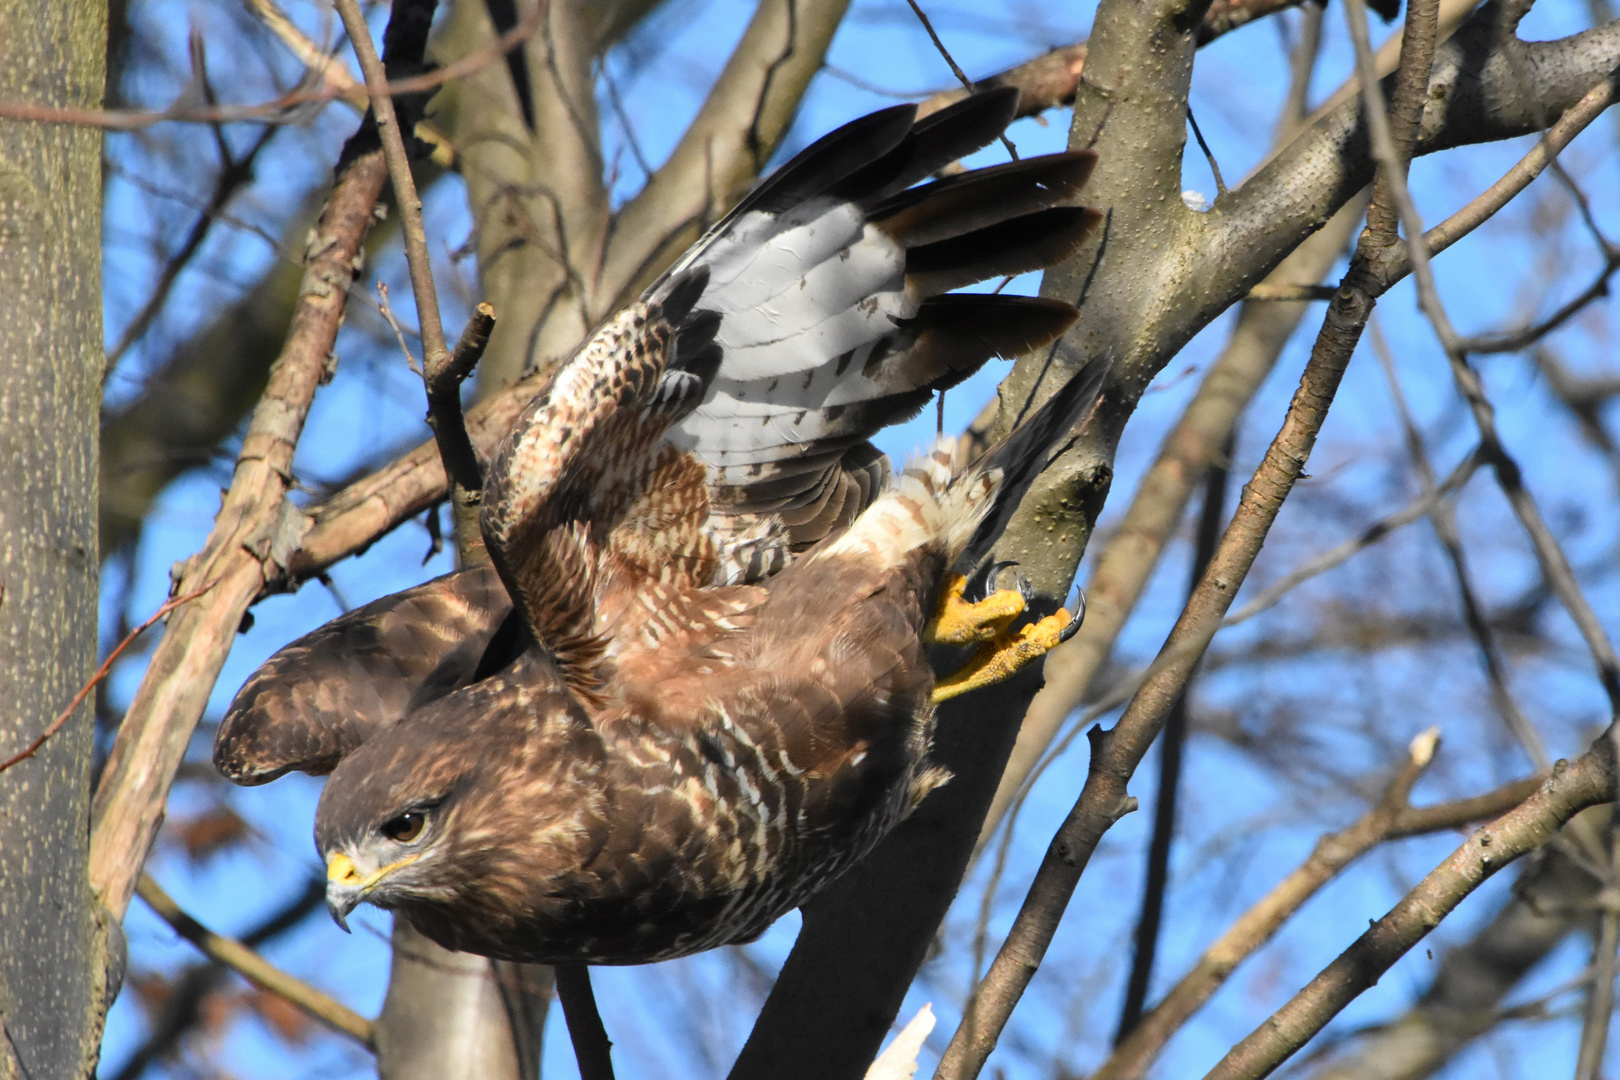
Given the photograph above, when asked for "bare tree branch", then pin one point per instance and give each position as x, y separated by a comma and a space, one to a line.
1389, 819
442, 373
1587, 781
250, 534
591, 1044
1551, 899
318, 61
1115, 754
255, 968
182, 1007
1120, 571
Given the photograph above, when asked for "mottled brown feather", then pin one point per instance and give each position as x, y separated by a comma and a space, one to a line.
327, 692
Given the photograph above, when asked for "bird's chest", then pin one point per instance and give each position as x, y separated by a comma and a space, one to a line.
710, 837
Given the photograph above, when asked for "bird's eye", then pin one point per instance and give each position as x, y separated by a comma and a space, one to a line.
406, 827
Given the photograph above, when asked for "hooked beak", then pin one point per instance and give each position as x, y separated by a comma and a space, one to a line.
346, 886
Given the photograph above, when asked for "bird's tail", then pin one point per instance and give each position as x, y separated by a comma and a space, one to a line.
1011, 465
941, 498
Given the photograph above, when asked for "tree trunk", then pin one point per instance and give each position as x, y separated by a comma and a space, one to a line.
455, 1016
53, 976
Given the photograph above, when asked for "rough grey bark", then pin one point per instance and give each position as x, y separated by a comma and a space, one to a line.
52, 973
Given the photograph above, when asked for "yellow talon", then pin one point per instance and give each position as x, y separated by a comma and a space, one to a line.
960, 622
1002, 656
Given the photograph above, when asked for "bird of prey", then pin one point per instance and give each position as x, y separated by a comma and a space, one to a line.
692, 688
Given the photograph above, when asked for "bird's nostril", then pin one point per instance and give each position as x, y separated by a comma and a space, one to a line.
340, 868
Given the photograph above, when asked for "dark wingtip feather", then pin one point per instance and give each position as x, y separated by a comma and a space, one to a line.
933, 142
681, 293
831, 160
956, 333
1031, 242
965, 203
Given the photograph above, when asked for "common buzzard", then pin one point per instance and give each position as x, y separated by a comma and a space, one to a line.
693, 688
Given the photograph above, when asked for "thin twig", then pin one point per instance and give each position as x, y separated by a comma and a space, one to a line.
442, 377
592, 1048
1050, 80
1554, 565
1572, 787
1488, 202
320, 63
1444, 521
961, 76
435, 353
386, 310
1391, 818
281, 110
101, 673
1600, 989
182, 1006
256, 969
1171, 745
1524, 337
233, 173
623, 116
1209, 155
444, 407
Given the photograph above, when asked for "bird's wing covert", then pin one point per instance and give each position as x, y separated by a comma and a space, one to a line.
323, 695
582, 486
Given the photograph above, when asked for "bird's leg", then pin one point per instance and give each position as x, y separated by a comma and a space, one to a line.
1002, 651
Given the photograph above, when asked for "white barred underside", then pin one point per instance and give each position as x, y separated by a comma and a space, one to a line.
929, 504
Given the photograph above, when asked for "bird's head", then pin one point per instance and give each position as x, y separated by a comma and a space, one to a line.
465, 802
386, 820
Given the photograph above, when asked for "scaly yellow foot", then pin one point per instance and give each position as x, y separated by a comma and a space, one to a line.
961, 622
1005, 654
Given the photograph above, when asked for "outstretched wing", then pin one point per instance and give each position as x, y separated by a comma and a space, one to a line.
332, 689
582, 485
832, 284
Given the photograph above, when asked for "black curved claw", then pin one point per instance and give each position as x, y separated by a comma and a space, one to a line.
1025, 589
983, 581
1074, 624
